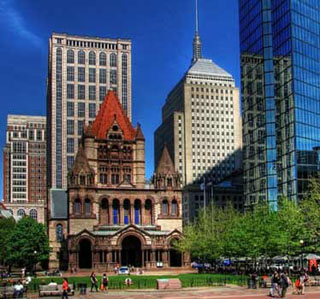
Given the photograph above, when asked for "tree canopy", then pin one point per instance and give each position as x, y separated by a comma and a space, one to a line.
260, 232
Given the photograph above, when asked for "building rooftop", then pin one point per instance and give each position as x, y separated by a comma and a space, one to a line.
204, 66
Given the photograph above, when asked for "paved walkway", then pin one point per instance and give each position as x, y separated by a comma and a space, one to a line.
228, 292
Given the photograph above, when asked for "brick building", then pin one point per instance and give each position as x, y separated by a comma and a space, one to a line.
110, 216
24, 166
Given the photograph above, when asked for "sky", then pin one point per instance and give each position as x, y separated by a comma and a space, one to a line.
161, 32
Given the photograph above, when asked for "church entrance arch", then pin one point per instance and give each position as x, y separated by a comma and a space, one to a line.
131, 254
175, 256
85, 254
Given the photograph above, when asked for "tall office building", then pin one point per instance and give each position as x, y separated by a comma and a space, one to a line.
24, 166
280, 73
201, 122
81, 70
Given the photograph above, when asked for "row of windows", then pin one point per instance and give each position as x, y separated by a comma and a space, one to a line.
81, 109
81, 95
92, 58
226, 91
92, 75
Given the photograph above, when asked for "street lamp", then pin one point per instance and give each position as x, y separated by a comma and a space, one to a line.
35, 262
301, 243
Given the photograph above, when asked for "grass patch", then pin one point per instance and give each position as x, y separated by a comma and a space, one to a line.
150, 281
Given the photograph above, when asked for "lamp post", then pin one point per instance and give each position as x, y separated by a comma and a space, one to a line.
301, 243
35, 262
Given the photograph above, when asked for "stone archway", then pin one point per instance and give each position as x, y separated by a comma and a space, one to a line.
131, 254
85, 254
175, 256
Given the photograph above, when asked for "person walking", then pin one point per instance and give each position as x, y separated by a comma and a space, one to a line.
65, 288
94, 282
284, 284
105, 282
275, 280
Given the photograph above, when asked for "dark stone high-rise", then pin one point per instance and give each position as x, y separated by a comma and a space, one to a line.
280, 75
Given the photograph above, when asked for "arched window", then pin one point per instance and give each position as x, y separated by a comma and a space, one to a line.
21, 212
70, 56
92, 58
137, 211
77, 206
174, 208
169, 182
148, 212
165, 207
113, 59
104, 204
126, 210
115, 211
103, 178
59, 232
82, 179
102, 59
33, 214
87, 206
81, 57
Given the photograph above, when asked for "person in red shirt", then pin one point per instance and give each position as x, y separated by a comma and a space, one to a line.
65, 287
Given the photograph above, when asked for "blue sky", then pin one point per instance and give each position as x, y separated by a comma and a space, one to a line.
161, 33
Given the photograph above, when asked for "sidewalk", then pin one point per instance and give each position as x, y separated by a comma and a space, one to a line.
228, 292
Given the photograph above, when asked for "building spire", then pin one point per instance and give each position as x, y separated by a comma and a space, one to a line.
196, 40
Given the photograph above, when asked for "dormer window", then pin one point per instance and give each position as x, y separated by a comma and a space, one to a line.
115, 128
82, 180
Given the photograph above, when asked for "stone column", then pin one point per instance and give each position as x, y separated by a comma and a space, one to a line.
131, 213
142, 220
142, 258
110, 218
121, 214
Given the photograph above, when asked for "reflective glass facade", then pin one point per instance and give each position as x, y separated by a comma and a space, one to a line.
280, 76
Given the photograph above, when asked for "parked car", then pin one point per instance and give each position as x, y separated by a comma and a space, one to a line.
124, 270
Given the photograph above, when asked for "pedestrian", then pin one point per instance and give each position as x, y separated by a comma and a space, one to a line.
18, 290
65, 289
105, 282
275, 280
94, 282
303, 279
284, 284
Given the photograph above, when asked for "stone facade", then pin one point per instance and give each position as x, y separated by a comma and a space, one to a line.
114, 217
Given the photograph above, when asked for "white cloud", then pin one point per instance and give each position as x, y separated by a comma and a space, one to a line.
14, 22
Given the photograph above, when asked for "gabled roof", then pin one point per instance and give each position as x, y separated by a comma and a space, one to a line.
110, 110
165, 165
81, 162
204, 66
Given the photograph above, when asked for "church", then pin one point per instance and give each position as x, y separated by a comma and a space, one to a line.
110, 215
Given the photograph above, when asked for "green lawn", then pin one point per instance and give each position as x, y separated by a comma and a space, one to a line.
149, 282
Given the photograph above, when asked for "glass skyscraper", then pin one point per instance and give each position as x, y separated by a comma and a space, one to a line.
280, 76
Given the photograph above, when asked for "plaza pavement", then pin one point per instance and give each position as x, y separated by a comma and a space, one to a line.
228, 292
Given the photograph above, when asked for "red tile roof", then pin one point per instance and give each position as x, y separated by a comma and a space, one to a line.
110, 111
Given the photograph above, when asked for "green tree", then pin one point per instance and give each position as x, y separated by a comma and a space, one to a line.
310, 207
27, 244
6, 227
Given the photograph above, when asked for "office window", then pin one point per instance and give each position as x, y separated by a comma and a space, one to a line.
70, 73
70, 91
92, 58
102, 76
81, 109
92, 110
102, 92
81, 57
102, 59
70, 127
70, 56
81, 92
70, 145
70, 160
70, 109
92, 92
81, 74
80, 127
113, 77
92, 75
113, 59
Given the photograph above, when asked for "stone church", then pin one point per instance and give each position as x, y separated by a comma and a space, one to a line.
109, 215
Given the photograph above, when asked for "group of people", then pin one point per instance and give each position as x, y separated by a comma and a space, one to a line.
280, 282
94, 282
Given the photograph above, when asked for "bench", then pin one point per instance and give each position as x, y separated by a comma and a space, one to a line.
8, 292
46, 290
169, 284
